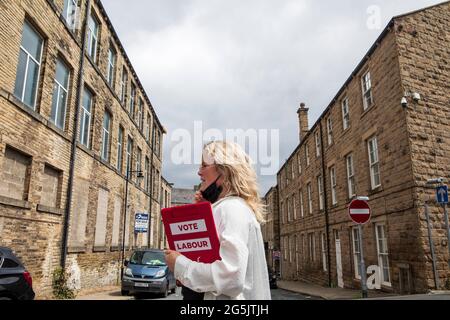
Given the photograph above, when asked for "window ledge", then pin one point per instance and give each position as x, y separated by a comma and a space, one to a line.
99, 249
25, 108
93, 63
105, 162
375, 191
367, 110
58, 130
85, 149
114, 248
76, 250
344, 131
32, 113
15, 202
48, 209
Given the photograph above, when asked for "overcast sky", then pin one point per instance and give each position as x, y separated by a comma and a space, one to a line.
245, 64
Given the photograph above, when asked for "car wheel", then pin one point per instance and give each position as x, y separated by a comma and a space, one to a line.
166, 291
124, 292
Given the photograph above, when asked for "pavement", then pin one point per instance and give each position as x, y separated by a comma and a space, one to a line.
307, 290
329, 293
102, 293
352, 294
301, 291
113, 293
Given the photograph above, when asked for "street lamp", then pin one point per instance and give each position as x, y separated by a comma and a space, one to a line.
139, 176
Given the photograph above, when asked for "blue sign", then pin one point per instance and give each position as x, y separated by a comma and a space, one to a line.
442, 194
141, 222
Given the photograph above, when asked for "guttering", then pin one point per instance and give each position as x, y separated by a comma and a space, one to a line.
74, 141
325, 202
151, 191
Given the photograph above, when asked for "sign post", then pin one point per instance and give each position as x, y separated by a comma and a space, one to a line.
141, 222
359, 212
442, 198
430, 239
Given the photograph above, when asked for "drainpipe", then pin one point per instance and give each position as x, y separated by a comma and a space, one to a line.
151, 189
327, 223
74, 140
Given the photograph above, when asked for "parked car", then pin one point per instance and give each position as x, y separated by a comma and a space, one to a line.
272, 279
147, 271
15, 281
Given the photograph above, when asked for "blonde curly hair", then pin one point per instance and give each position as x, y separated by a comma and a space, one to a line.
240, 178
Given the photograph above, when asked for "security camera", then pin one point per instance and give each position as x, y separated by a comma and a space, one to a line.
404, 102
416, 96
434, 181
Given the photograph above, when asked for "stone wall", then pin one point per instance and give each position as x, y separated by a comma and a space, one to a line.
35, 154
424, 57
412, 143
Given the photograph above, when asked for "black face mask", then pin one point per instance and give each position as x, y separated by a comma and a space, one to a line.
212, 193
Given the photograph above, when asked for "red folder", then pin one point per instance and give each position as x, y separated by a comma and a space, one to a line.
190, 230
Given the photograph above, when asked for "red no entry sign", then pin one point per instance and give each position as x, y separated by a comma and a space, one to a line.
359, 211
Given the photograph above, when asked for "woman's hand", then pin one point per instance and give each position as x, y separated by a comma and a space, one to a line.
171, 257
198, 197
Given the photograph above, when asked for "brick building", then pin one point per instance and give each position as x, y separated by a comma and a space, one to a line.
368, 143
74, 120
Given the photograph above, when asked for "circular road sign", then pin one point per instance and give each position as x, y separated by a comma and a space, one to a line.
359, 211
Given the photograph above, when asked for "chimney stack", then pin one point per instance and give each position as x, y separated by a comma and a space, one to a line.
302, 121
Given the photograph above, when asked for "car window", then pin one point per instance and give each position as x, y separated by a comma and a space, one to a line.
8, 263
148, 258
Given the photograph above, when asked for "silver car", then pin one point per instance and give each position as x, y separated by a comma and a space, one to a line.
147, 271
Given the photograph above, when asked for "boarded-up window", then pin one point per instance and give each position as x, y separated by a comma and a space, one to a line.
79, 215
127, 228
50, 187
15, 175
116, 221
102, 218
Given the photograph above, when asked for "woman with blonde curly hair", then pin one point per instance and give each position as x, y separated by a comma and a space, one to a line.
229, 182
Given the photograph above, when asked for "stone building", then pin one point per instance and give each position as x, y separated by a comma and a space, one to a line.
166, 200
74, 120
182, 196
270, 229
371, 142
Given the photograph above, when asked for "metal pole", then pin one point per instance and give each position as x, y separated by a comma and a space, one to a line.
436, 278
129, 171
448, 232
124, 226
325, 196
363, 266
